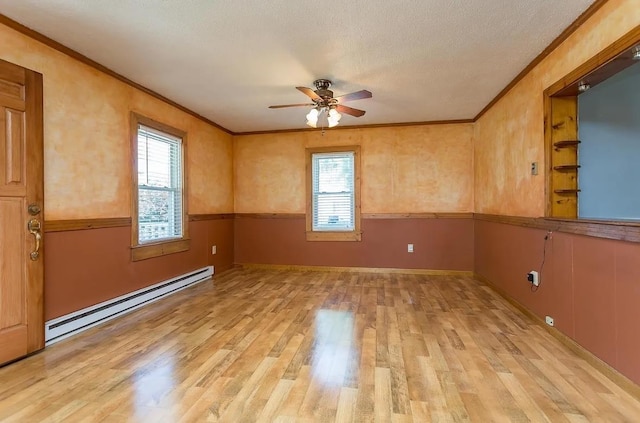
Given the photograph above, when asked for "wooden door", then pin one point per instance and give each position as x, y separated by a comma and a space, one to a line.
21, 210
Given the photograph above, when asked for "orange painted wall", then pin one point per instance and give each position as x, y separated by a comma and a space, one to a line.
413, 169
88, 175
511, 134
87, 144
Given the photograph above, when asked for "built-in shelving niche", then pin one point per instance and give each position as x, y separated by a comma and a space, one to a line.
563, 157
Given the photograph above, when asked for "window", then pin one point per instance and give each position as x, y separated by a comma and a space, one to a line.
333, 194
159, 210
333, 197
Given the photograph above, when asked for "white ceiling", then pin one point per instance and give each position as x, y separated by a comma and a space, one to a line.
228, 60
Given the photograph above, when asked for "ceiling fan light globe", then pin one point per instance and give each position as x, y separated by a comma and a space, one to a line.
312, 116
332, 122
333, 113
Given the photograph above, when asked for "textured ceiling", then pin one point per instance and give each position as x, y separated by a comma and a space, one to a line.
228, 60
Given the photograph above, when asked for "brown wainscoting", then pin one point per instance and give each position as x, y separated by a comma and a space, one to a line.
284, 267
589, 285
618, 230
439, 243
85, 267
213, 216
610, 372
82, 224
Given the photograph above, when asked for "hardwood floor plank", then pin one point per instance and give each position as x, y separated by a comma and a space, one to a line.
399, 388
276, 398
383, 405
262, 345
420, 411
346, 405
273, 377
292, 403
242, 390
365, 403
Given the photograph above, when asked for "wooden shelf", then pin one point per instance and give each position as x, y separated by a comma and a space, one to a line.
565, 144
566, 191
566, 168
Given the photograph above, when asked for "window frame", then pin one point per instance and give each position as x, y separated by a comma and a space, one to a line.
560, 101
356, 233
142, 251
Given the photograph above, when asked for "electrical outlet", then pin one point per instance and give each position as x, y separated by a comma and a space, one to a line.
409, 248
214, 250
533, 278
549, 320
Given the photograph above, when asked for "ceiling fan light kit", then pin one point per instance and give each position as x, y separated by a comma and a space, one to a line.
324, 101
312, 118
333, 117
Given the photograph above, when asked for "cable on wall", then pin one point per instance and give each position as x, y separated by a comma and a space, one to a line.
547, 237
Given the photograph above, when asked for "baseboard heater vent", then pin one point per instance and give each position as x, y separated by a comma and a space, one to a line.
64, 326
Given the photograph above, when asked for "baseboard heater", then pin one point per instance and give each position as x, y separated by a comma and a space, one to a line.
64, 326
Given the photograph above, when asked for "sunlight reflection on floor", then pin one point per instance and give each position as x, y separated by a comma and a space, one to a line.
332, 346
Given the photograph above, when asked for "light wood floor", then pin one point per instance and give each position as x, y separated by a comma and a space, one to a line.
261, 345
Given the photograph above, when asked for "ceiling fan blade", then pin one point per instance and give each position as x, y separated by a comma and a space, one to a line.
309, 92
281, 106
350, 110
358, 95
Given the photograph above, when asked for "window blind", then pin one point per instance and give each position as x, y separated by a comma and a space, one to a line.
159, 185
333, 197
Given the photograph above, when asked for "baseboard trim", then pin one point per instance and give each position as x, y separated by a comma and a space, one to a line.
612, 374
225, 268
301, 268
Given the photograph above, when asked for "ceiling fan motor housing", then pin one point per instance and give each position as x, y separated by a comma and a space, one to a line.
322, 89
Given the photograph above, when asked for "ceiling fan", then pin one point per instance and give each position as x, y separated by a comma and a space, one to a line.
323, 100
